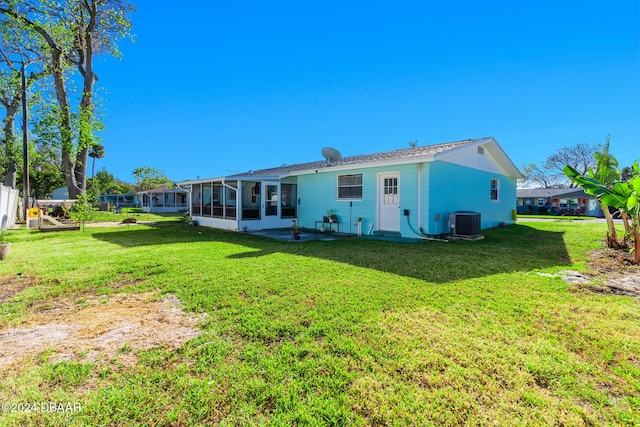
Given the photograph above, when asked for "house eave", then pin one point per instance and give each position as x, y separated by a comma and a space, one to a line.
246, 177
496, 151
363, 165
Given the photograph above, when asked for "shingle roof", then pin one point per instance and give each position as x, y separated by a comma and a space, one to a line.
403, 154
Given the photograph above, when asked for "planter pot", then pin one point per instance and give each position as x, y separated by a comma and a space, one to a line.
5, 250
295, 235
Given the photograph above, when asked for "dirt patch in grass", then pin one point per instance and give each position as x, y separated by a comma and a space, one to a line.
11, 285
91, 328
621, 276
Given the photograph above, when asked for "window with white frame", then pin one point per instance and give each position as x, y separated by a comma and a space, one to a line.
350, 187
495, 189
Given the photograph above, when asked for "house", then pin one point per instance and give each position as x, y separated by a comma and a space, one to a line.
557, 201
163, 200
154, 200
123, 200
407, 192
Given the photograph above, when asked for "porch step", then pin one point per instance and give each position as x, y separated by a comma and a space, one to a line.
387, 233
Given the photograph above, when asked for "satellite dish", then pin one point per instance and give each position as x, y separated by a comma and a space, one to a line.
331, 154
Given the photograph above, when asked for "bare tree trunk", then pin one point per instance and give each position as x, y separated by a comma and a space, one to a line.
85, 67
65, 125
635, 227
628, 231
612, 235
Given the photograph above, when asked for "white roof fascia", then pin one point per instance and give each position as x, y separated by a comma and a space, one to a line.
501, 156
496, 151
199, 181
365, 165
232, 178
253, 178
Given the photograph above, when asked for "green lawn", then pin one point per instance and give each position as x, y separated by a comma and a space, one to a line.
348, 332
138, 214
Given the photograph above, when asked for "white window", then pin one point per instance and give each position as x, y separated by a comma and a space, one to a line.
495, 189
350, 187
540, 202
391, 191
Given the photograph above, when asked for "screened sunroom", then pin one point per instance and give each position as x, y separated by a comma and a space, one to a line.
244, 203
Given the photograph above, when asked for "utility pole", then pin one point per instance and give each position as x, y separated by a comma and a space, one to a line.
25, 146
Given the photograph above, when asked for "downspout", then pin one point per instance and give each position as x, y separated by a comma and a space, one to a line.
420, 176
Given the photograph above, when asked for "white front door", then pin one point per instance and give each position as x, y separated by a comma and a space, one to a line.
389, 202
270, 205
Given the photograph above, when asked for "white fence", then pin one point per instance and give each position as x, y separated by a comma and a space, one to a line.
8, 206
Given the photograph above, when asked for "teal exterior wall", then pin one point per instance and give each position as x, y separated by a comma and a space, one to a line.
318, 193
445, 188
448, 188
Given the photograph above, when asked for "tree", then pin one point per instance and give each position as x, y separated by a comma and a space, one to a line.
551, 175
148, 178
96, 152
45, 171
540, 177
121, 187
580, 157
622, 195
75, 32
606, 173
15, 47
82, 210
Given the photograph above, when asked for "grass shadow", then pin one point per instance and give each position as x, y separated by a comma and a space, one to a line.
504, 250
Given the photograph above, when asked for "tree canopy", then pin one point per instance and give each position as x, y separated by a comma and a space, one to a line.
551, 173
73, 33
148, 178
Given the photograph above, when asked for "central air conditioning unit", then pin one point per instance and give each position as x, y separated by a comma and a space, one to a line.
465, 224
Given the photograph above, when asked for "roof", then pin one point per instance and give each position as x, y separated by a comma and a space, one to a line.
162, 190
526, 193
403, 154
406, 155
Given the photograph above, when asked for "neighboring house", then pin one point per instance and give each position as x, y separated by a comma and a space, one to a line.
61, 193
124, 200
163, 200
394, 192
557, 201
154, 200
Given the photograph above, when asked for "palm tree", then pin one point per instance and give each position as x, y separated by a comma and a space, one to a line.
97, 152
607, 174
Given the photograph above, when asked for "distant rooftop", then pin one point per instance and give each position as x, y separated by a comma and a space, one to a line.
524, 193
162, 190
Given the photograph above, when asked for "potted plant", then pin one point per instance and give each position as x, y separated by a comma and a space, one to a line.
190, 221
5, 246
295, 230
332, 217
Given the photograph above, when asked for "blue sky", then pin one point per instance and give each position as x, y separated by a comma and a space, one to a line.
212, 88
